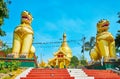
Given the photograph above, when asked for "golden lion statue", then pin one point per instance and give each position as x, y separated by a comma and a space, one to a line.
23, 37
105, 44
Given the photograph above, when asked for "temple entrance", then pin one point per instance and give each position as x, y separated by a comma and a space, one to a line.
61, 64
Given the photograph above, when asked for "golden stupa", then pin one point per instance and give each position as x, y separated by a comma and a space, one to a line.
42, 64
63, 56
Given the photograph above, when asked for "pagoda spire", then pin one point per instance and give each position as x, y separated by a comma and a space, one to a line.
64, 43
65, 47
64, 37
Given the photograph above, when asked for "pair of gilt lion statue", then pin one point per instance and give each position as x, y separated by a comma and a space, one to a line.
23, 38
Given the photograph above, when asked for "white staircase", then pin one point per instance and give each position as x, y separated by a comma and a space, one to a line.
78, 74
24, 73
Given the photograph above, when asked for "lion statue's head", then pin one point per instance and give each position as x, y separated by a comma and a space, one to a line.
102, 26
26, 17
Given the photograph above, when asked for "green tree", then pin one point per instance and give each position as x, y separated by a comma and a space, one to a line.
6, 49
13, 65
3, 11
117, 42
118, 17
83, 61
90, 44
3, 14
117, 38
2, 33
4, 46
2, 65
83, 45
74, 62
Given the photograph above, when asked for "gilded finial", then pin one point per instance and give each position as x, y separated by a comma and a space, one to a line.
64, 37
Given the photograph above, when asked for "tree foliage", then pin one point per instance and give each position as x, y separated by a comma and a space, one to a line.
117, 43
83, 45
117, 38
74, 61
7, 51
2, 65
2, 33
3, 11
83, 61
118, 17
3, 14
90, 44
9, 66
5, 48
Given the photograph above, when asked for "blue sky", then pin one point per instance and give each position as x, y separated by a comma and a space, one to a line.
77, 18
